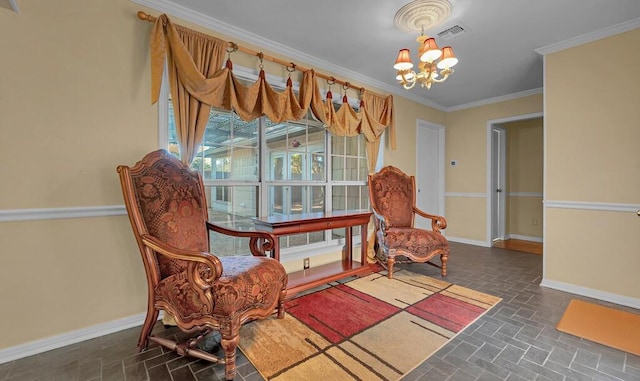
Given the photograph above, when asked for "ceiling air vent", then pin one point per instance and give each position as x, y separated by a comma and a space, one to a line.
453, 32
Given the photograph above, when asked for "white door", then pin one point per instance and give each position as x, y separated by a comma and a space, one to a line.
498, 179
429, 171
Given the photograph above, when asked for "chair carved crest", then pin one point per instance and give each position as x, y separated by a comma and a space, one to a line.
168, 211
393, 201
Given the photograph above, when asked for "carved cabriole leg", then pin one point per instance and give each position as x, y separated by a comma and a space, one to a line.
444, 257
229, 332
149, 322
391, 260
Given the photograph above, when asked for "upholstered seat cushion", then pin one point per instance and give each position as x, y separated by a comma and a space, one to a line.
420, 242
246, 283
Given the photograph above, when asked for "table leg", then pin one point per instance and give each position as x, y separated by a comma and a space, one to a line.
363, 244
348, 245
276, 249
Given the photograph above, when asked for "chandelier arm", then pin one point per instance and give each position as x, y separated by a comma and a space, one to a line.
409, 85
440, 80
404, 79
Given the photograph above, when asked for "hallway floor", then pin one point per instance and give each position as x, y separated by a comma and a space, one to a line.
515, 341
520, 245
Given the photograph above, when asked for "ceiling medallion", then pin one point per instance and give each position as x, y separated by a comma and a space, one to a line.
420, 15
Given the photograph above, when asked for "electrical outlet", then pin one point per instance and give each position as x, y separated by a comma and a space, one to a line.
534, 222
305, 263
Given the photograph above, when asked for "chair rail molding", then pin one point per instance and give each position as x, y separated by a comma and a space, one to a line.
465, 194
584, 205
9, 215
525, 194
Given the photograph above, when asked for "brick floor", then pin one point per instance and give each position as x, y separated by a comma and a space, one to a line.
514, 341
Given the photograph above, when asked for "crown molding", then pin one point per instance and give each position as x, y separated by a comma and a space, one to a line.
590, 37
165, 6
501, 98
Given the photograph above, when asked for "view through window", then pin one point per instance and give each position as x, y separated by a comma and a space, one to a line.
261, 168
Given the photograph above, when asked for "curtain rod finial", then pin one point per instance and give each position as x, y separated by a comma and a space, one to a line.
143, 16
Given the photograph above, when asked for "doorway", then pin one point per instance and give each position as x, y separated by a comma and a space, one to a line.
430, 141
514, 180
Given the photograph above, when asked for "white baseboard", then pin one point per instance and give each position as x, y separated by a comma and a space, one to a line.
469, 241
73, 337
524, 237
591, 293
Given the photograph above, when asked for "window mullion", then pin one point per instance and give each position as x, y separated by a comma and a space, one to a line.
263, 188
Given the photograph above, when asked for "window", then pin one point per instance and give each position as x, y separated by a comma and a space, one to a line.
261, 168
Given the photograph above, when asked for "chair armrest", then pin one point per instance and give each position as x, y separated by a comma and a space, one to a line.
381, 221
437, 222
196, 259
259, 242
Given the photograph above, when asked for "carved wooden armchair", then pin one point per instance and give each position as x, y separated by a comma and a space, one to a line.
393, 199
204, 293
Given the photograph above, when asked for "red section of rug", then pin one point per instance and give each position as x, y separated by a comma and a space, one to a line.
447, 312
344, 312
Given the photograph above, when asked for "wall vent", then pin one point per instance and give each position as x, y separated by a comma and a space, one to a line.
453, 32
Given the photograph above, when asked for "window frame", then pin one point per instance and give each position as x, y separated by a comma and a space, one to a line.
329, 245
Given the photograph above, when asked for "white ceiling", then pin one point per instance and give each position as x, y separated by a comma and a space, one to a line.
359, 39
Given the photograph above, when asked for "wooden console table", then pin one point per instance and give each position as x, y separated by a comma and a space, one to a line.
310, 222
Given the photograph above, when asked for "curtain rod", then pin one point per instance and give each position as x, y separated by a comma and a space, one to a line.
147, 17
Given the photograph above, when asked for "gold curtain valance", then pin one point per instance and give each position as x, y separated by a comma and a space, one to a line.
199, 81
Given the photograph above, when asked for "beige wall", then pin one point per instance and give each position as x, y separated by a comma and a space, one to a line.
75, 103
591, 138
466, 183
524, 178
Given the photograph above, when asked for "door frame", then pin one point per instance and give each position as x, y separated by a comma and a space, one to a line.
491, 124
440, 131
498, 181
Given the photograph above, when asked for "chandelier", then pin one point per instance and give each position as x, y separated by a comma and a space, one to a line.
435, 64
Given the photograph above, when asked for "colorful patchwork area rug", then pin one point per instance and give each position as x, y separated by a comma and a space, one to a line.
370, 328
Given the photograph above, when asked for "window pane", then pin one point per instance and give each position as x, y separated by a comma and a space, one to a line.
364, 170
244, 164
351, 170
232, 204
276, 135
294, 240
295, 199
230, 148
317, 199
317, 166
339, 197
337, 145
316, 148
298, 165
276, 200
353, 197
349, 197
232, 207
337, 168
352, 145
